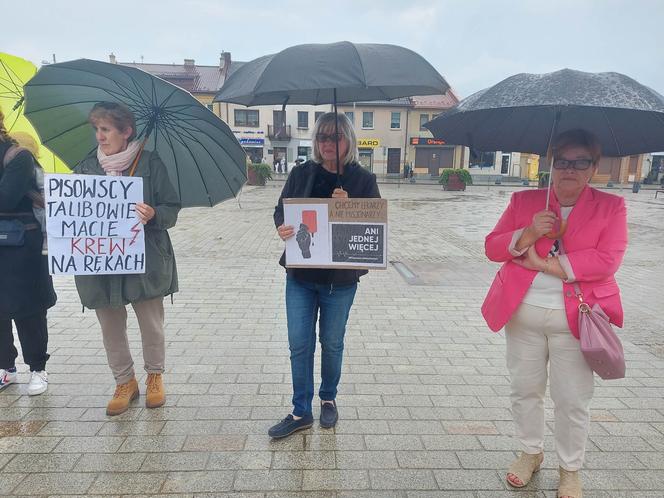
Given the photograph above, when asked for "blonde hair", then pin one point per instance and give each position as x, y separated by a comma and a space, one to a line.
325, 123
4, 136
24, 139
118, 114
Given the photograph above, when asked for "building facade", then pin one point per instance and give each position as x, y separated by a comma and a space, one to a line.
425, 154
265, 137
381, 133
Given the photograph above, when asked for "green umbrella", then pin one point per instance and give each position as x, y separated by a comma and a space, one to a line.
204, 160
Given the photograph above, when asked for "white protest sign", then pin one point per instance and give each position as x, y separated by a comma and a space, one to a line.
311, 245
92, 224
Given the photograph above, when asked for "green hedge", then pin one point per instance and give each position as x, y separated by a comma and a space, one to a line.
262, 170
463, 175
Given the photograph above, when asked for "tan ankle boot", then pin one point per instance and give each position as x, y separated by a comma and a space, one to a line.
155, 395
123, 395
570, 484
523, 468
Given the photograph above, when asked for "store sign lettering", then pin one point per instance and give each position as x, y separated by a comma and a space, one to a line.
368, 143
426, 141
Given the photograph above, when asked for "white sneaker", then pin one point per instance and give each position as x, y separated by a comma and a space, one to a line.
38, 383
7, 377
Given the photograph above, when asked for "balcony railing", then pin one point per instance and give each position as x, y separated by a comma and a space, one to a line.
279, 132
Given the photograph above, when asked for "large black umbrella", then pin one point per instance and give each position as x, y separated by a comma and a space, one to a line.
330, 74
524, 111
325, 73
204, 160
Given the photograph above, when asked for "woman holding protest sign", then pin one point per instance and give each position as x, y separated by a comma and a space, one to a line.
118, 154
320, 295
27, 289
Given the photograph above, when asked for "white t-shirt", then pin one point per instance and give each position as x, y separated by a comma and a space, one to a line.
546, 291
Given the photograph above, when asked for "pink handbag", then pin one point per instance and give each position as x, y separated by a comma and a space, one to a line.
599, 343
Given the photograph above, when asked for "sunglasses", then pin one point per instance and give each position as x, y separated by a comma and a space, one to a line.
578, 164
334, 137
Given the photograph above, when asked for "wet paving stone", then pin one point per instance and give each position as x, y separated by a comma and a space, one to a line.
424, 394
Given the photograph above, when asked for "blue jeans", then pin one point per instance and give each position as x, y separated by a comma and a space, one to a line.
304, 301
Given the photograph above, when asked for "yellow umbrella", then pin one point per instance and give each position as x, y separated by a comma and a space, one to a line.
14, 73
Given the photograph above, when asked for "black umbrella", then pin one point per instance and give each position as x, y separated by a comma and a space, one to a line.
330, 74
204, 160
524, 112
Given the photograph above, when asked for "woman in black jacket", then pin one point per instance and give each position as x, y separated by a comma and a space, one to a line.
320, 295
26, 289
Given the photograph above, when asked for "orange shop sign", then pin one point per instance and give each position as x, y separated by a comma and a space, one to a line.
426, 141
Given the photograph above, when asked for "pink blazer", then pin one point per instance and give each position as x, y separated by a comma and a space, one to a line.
594, 244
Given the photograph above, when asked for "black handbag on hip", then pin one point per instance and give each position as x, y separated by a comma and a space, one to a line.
12, 233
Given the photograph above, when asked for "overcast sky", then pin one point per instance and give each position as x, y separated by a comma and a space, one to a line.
472, 43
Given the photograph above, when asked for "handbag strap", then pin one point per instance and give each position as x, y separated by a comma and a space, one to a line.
34, 195
25, 226
583, 306
14, 215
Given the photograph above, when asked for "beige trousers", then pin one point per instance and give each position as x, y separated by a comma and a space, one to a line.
537, 336
113, 321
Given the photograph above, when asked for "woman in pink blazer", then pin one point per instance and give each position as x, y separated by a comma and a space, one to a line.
580, 240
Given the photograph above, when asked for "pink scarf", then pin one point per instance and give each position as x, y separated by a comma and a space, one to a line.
115, 164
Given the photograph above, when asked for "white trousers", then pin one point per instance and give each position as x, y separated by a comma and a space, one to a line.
537, 336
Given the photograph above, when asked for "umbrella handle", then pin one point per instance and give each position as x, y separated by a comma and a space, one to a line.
554, 129
136, 159
336, 139
556, 234
548, 187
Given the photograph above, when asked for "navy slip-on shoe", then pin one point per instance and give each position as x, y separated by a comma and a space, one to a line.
289, 425
328, 415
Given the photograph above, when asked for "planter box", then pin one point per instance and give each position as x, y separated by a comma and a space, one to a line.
254, 179
454, 183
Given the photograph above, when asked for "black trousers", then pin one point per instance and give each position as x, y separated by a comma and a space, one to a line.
33, 334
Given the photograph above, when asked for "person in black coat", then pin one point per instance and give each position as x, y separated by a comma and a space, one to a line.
320, 295
27, 289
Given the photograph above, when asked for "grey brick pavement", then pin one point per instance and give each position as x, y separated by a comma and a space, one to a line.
423, 400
